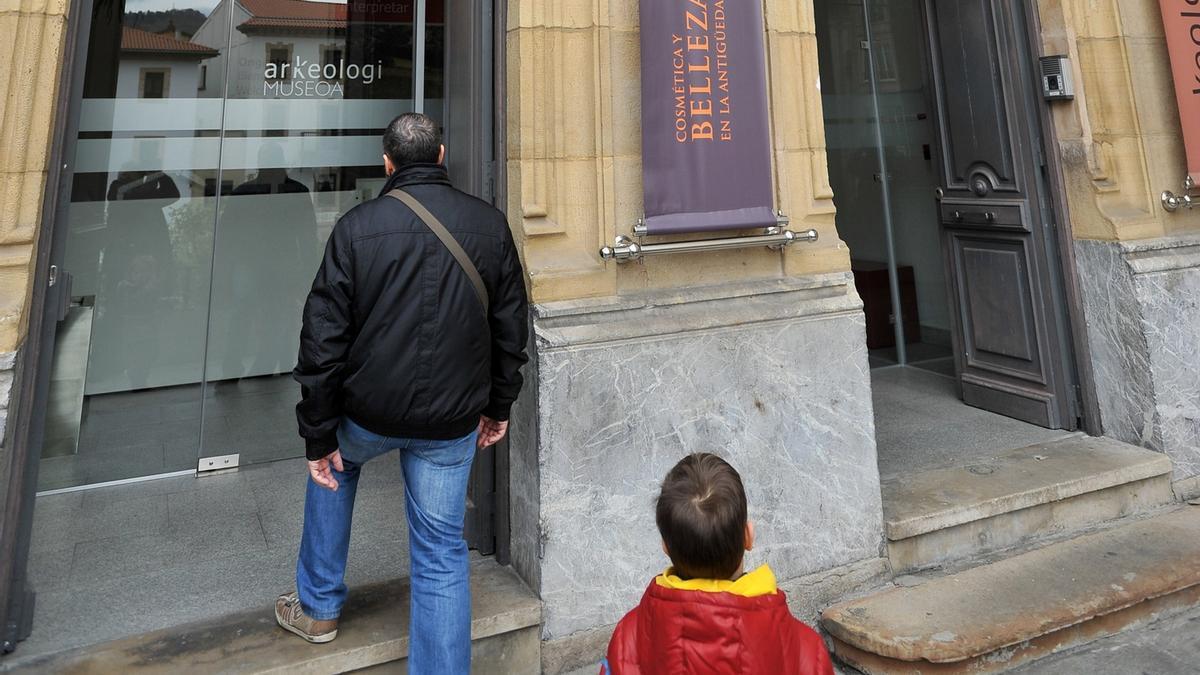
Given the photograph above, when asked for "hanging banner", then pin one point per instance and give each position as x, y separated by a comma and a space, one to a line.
1181, 19
706, 147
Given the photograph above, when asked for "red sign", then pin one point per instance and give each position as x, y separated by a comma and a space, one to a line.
1181, 19
395, 11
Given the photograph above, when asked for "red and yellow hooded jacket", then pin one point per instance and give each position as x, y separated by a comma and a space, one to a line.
709, 626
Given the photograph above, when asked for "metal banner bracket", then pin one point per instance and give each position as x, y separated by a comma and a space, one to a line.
625, 249
1188, 199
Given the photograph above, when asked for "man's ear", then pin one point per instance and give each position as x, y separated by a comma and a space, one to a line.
441, 154
388, 167
749, 535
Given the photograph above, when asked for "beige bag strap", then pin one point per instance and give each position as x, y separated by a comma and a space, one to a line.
448, 240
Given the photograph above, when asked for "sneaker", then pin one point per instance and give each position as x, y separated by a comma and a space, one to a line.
290, 616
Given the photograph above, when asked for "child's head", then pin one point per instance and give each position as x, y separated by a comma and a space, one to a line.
701, 514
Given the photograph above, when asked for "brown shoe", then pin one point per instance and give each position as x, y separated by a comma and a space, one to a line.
290, 616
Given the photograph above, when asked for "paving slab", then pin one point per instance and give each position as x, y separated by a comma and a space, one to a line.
1168, 647
1038, 474
982, 610
374, 630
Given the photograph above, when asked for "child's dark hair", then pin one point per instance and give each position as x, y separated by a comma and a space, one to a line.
701, 515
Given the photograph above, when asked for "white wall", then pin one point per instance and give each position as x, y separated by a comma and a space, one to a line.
183, 81
214, 33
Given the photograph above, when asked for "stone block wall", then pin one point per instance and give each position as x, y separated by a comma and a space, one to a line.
756, 354
773, 377
1142, 303
31, 39
1138, 265
574, 150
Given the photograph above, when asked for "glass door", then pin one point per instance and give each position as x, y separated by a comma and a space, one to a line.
310, 86
881, 148
218, 144
125, 394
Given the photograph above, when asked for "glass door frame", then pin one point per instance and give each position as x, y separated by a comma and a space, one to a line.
474, 144
50, 295
885, 179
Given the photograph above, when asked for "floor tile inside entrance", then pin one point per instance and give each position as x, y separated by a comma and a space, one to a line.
128, 559
921, 424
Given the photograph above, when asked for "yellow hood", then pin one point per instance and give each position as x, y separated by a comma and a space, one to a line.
750, 585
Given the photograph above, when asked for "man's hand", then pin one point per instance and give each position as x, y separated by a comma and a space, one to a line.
319, 470
490, 431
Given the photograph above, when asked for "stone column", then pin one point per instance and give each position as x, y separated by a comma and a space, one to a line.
31, 37
1139, 266
757, 355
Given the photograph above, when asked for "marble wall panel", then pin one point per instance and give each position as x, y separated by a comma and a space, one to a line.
1120, 359
1142, 305
786, 400
1167, 281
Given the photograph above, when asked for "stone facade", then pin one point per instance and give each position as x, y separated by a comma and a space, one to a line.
31, 38
771, 375
1120, 146
1142, 302
755, 354
574, 151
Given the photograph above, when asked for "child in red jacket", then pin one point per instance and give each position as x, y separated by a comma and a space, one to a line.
704, 614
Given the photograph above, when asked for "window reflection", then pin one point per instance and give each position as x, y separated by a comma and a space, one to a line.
218, 144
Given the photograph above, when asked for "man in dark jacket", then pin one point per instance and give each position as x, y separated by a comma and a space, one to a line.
399, 351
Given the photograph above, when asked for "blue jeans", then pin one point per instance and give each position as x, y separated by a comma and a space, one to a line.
435, 499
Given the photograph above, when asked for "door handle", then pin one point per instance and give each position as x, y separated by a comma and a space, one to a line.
988, 217
60, 284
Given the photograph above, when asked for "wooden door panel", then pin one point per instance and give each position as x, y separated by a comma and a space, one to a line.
1023, 403
1005, 316
993, 291
979, 141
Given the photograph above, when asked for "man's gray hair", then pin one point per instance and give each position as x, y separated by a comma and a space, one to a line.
412, 138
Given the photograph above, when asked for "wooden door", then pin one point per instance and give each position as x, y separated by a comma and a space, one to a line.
1007, 320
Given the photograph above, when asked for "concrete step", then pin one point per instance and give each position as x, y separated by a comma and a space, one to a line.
372, 636
995, 617
942, 515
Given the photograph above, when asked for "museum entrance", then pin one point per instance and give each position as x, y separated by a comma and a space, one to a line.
214, 148
210, 148
935, 157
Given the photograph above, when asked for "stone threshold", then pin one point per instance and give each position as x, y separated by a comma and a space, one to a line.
939, 499
373, 631
996, 616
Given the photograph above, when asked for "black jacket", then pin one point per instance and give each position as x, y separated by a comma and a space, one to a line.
394, 336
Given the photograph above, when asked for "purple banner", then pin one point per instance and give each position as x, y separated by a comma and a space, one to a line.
706, 146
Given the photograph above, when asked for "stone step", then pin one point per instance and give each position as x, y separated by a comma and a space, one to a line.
372, 636
942, 515
995, 617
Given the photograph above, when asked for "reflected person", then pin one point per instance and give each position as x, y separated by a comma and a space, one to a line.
136, 273
267, 250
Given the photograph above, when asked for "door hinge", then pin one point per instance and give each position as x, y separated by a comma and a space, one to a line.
218, 463
1075, 406
489, 182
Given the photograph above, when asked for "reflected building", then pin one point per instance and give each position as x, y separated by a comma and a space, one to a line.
155, 65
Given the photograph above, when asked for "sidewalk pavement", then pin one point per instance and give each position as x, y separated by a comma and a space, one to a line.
1168, 647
